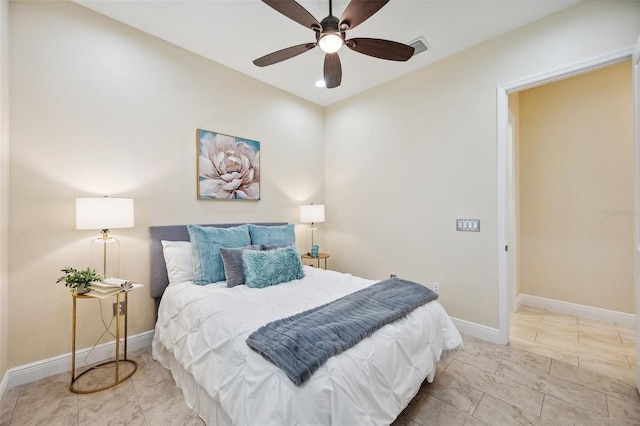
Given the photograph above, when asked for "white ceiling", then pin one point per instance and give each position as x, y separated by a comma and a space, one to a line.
235, 32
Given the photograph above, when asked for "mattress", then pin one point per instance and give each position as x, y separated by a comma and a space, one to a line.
201, 336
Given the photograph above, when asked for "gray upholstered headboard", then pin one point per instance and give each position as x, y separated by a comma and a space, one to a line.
158, 268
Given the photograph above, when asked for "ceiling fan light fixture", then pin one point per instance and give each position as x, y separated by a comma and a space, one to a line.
330, 42
321, 83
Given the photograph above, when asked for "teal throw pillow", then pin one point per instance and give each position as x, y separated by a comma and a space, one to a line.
232, 261
206, 242
266, 268
282, 234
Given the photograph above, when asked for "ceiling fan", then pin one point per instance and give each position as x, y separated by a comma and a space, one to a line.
331, 36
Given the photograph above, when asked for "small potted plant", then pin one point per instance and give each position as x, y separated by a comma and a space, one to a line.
78, 280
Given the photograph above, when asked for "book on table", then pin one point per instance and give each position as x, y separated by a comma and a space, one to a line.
110, 286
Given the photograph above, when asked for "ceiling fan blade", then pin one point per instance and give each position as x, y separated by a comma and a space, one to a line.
284, 54
359, 11
292, 9
332, 70
383, 49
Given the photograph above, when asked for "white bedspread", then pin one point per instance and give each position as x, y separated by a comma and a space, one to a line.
205, 328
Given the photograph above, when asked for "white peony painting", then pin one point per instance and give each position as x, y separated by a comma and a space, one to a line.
228, 167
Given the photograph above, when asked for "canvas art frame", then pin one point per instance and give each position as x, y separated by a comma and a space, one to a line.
228, 167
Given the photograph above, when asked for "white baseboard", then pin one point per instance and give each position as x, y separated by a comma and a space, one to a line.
60, 364
479, 331
588, 312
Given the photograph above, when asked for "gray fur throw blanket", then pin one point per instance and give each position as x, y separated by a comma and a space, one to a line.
302, 343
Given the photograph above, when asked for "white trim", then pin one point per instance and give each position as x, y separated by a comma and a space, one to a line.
479, 331
502, 111
588, 312
518, 303
636, 191
4, 386
60, 364
572, 70
503, 216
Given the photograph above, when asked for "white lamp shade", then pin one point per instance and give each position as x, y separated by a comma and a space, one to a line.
104, 213
312, 213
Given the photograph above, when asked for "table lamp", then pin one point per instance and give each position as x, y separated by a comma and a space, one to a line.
104, 213
311, 214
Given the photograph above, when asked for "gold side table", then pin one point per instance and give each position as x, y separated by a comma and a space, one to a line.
324, 256
117, 379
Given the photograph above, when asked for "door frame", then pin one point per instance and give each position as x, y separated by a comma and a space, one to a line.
506, 284
636, 239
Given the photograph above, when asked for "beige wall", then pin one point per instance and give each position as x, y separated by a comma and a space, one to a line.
93, 98
99, 108
4, 185
576, 189
407, 158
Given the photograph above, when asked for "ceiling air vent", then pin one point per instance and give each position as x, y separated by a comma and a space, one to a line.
419, 45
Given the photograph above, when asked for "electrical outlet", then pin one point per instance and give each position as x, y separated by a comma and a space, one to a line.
436, 288
121, 311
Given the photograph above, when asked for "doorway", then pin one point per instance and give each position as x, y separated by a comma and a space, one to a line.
510, 268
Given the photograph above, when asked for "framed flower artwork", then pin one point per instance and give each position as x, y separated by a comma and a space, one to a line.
228, 167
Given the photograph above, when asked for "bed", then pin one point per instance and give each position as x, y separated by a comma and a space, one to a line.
201, 333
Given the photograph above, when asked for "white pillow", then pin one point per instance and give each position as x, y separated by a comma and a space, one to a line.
179, 260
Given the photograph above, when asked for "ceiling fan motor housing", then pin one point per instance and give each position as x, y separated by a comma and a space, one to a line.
330, 24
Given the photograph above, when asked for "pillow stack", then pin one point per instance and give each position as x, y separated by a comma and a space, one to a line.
206, 242
258, 256
233, 264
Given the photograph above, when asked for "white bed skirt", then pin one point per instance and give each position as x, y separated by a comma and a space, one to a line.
195, 396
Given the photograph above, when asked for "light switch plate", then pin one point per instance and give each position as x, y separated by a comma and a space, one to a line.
468, 225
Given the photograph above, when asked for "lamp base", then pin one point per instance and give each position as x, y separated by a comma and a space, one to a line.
105, 257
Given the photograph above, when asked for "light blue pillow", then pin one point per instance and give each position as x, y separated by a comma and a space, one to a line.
206, 242
266, 268
282, 234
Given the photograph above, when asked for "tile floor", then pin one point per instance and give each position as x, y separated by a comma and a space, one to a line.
607, 349
484, 384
